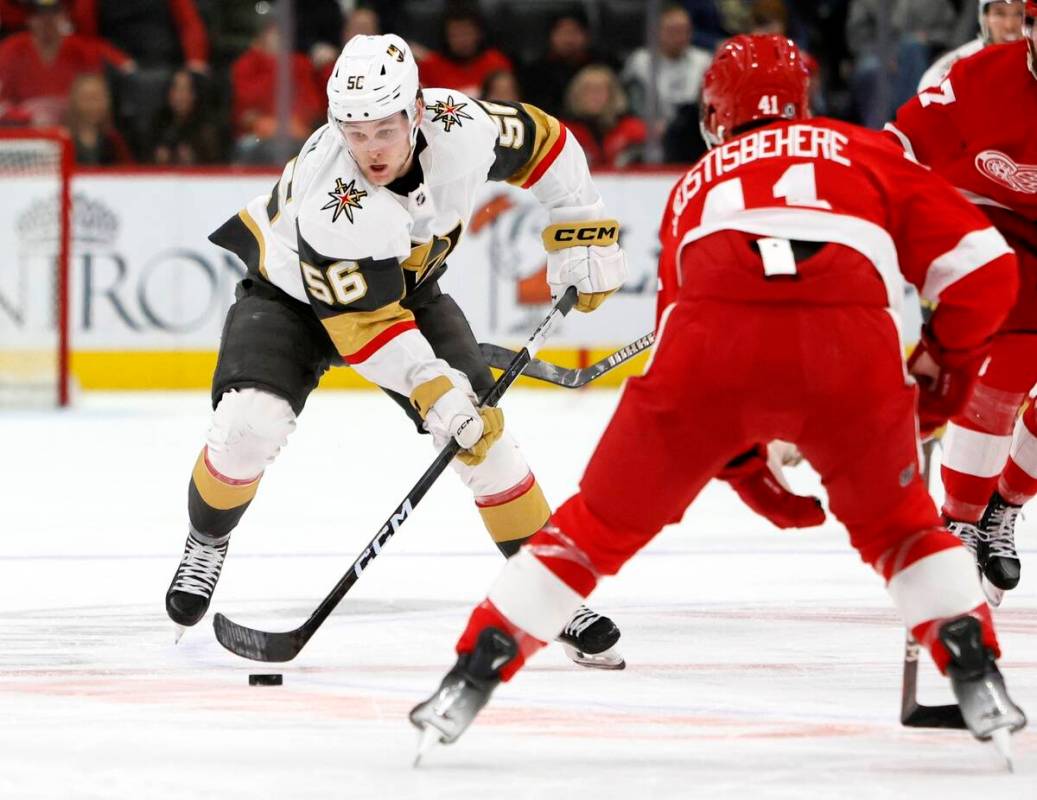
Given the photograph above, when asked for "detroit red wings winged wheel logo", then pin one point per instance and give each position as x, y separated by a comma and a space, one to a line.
448, 112
1000, 168
344, 199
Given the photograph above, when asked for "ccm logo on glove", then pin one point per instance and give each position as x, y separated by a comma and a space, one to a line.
594, 233
449, 412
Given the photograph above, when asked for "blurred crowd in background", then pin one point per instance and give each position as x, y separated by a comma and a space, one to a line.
195, 82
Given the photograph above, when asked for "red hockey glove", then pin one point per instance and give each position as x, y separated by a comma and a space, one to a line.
762, 488
945, 379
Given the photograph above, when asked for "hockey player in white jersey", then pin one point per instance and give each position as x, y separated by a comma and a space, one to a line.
343, 260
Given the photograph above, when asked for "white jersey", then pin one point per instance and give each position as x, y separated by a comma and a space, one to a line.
941, 68
354, 251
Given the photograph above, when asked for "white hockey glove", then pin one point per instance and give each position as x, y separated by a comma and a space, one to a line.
583, 251
449, 412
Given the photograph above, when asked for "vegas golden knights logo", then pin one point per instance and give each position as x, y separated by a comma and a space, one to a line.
344, 199
449, 113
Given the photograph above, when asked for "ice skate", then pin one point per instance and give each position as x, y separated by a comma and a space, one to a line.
974, 538
985, 706
1001, 561
970, 535
188, 596
589, 640
464, 691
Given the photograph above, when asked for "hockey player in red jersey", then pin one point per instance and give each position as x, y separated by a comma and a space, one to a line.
977, 130
791, 239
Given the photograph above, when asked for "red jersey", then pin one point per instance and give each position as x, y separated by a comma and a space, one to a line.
615, 147
823, 181
977, 129
254, 79
25, 76
465, 76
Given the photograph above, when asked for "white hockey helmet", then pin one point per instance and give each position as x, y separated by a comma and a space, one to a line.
984, 5
374, 78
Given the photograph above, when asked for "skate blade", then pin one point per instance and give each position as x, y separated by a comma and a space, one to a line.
606, 659
428, 740
995, 596
1002, 741
178, 633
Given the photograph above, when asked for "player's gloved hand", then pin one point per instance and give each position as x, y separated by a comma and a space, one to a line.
583, 251
762, 487
945, 379
449, 412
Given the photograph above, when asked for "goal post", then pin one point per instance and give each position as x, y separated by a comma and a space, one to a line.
35, 253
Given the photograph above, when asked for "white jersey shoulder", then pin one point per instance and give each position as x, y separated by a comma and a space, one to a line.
460, 134
941, 68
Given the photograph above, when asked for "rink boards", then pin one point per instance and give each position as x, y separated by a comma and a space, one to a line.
149, 291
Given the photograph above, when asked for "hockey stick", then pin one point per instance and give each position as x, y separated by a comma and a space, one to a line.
571, 378
286, 645
912, 713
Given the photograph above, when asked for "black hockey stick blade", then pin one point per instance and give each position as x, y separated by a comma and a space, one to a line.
570, 377
258, 645
285, 645
912, 713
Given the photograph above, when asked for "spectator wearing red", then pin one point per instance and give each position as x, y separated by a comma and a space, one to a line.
38, 66
254, 81
465, 60
156, 33
89, 123
595, 106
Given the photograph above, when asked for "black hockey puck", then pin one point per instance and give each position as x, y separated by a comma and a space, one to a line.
275, 679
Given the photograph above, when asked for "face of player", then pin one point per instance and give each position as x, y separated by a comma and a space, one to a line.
381, 147
1005, 21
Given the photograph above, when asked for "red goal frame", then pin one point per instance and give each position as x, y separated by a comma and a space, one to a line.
63, 267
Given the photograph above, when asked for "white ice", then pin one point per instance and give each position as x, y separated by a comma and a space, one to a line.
761, 663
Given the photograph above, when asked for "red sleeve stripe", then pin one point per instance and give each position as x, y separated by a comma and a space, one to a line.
974, 251
379, 341
519, 489
548, 159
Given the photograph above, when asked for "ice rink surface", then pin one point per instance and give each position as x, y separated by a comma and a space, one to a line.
761, 663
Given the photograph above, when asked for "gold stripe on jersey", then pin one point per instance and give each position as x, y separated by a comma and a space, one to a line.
354, 330
218, 493
518, 518
253, 228
548, 129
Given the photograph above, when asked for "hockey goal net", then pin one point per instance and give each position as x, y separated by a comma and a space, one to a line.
35, 249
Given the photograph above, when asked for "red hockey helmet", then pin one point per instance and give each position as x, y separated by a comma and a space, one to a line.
753, 78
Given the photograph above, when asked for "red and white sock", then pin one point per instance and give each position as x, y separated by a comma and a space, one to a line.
1018, 483
931, 579
534, 596
975, 450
